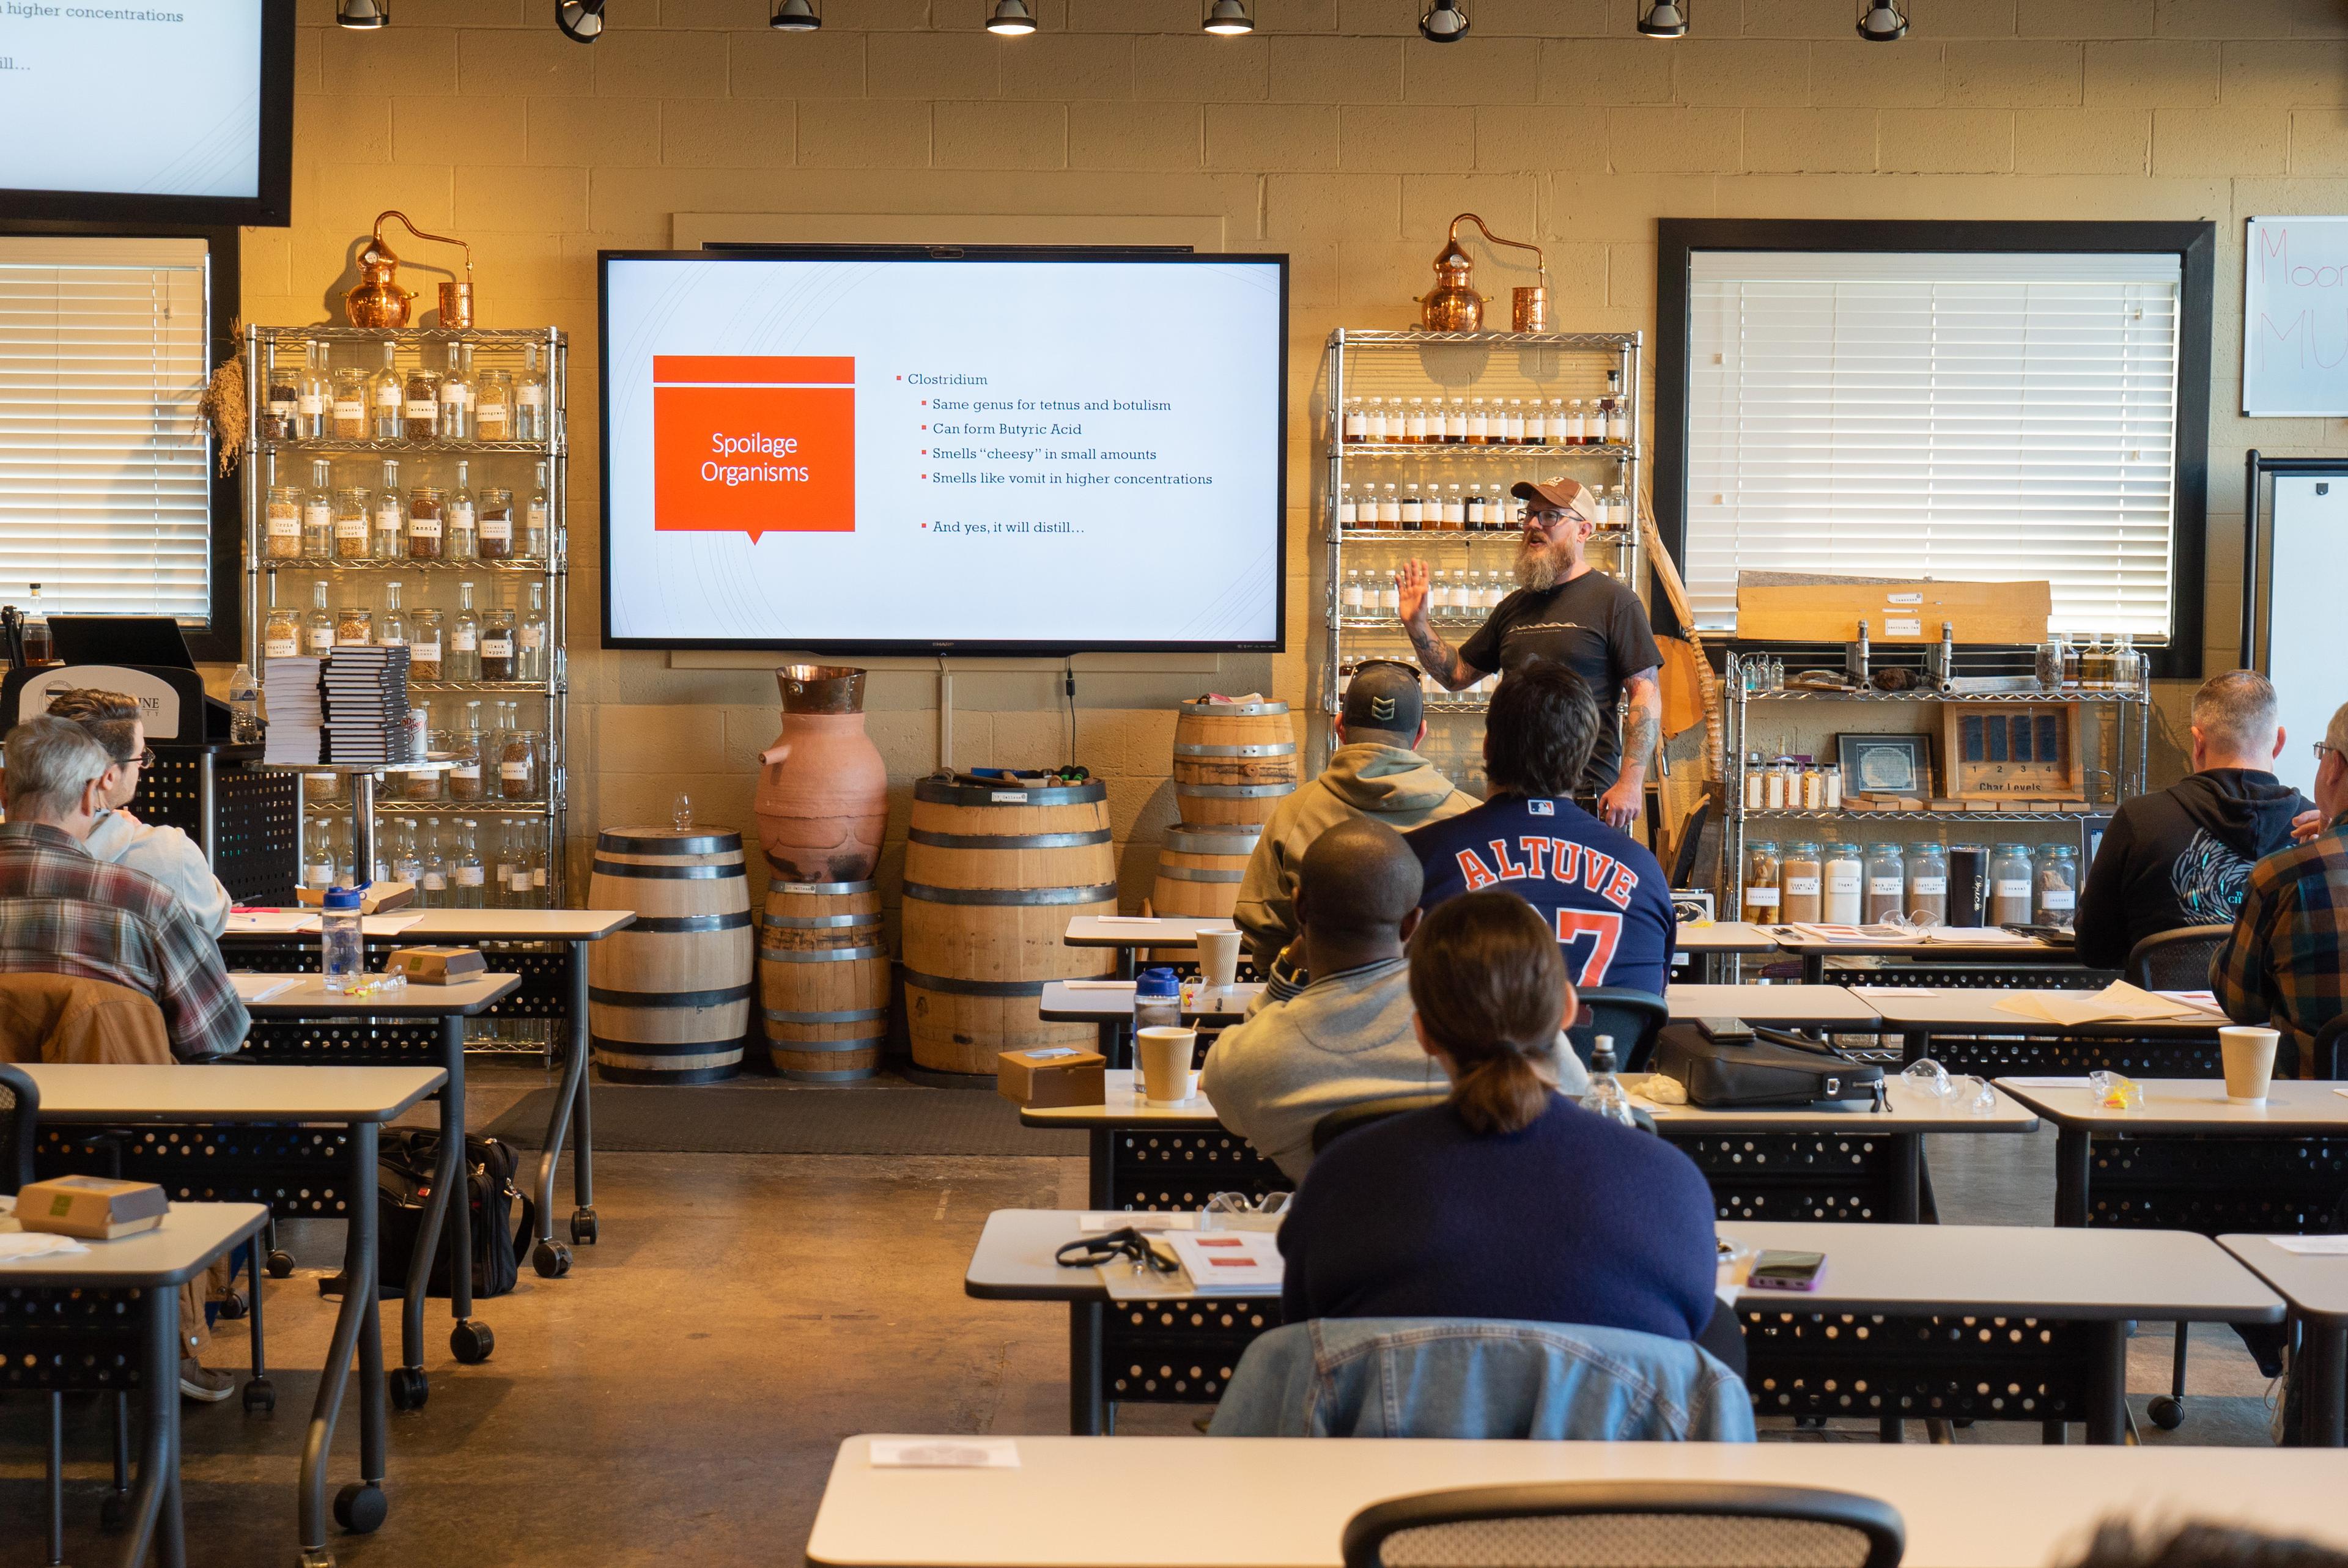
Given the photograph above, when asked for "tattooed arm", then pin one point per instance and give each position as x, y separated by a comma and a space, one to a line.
1643, 727
1436, 656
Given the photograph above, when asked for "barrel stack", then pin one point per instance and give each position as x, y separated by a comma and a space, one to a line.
668, 997
1234, 762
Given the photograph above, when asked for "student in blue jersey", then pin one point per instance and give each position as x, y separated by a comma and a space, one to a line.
1599, 888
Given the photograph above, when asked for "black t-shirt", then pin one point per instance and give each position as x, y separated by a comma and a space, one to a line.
1593, 626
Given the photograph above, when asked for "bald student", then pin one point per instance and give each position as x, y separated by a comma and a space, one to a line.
1333, 1027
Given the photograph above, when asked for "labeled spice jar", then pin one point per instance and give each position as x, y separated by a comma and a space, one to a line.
424, 645
349, 418
353, 626
1887, 882
494, 520
2055, 872
493, 394
1845, 877
282, 403
1762, 876
423, 405
427, 512
497, 645
281, 539
465, 748
1802, 874
350, 508
280, 633
2009, 886
518, 764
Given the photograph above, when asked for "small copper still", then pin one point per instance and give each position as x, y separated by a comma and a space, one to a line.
379, 300
1455, 306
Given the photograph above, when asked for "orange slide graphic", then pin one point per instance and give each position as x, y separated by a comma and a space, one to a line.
765, 443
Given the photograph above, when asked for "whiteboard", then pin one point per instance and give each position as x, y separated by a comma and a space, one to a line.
2308, 558
2295, 317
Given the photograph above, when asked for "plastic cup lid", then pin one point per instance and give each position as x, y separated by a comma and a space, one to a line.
343, 898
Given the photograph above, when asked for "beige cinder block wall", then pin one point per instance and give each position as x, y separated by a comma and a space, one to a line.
1333, 134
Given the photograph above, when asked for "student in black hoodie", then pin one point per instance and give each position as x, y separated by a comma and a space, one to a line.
2183, 857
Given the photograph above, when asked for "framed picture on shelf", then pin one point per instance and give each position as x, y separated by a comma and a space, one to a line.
1885, 764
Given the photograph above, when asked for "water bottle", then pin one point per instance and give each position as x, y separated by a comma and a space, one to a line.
341, 954
1156, 1000
243, 707
1604, 1097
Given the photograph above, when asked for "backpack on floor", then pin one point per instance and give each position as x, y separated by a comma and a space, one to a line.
405, 1169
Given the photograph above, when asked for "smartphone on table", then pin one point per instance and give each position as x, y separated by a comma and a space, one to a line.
1787, 1270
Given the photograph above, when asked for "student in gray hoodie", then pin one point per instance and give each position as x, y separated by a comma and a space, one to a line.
1333, 1027
1376, 772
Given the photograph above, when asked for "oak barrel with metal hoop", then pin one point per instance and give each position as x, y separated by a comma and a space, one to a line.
823, 980
1199, 869
669, 997
992, 877
1232, 762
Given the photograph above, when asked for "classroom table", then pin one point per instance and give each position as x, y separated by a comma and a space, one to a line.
1928, 1355
576, 931
1814, 951
1109, 1005
1965, 1029
1283, 1502
1718, 946
1835, 1007
471, 1341
304, 1098
1131, 933
2316, 1287
155, 1264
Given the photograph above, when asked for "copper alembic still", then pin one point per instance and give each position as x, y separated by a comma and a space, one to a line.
1455, 306
380, 301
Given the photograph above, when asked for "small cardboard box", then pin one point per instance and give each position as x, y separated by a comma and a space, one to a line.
1052, 1076
91, 1207
435, 966
375, 898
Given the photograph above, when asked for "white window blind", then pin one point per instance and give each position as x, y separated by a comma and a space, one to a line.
105, 460
1991, 417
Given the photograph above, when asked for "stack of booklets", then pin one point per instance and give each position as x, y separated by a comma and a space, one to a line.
349, 708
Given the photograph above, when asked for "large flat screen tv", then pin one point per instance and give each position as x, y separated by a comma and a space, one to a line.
1008, 451
163, 111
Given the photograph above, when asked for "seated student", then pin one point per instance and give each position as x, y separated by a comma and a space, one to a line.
64, 912
1332, 1027
1509, 1201
2182, 857
166, 854
2285, 963
1375, 773
1605, 898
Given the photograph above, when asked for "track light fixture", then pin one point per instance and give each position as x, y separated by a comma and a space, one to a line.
581, 21
1664, 19
1010, 19
360, 14
1880, 21
796, 15
1229, 17
1443, 23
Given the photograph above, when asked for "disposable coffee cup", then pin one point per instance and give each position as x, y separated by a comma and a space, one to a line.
1165, 1056
2250, 1053
1219, 959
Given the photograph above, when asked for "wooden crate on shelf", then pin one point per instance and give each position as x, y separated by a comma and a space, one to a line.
2017, 756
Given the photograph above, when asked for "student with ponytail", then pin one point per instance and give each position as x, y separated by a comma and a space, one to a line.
1508, 1200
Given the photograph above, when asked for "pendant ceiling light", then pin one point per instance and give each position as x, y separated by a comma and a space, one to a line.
1010, 19
363, 14
1229, 17
1443, 23
796, 15
1664, 19
581, 21
1880, 22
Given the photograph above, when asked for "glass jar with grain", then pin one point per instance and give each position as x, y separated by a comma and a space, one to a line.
427, 514
1762, 876
2054, 874
1887, 882
1845, 876
282, 529
1801, 879
351, 505
424, 645
2009, 886
495, 521
1928, 884
353, 626
350, 422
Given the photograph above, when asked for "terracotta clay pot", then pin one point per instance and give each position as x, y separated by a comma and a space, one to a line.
823, 792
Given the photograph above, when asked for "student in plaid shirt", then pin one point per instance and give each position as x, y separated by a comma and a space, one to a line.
2286, 963
67, 913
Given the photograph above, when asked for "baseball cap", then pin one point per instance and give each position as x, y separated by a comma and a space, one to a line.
1560, 493
1384, 695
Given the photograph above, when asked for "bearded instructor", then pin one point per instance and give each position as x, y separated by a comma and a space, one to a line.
1565, 611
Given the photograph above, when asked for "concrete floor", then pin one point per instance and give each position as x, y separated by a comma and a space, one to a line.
678, 1397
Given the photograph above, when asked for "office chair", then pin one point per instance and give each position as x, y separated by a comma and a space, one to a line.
1683, 867
2329, 1041
1685, 1524
20, 1112
1339, 1123
1632, 1018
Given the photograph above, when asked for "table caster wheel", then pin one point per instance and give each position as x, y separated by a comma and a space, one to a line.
114, 1512
360, 1508
2167, 1411
311, 1558
281, 1266
471, 1341
409, 1388
259, 1396
231, 1306
582, 1227
552, 1259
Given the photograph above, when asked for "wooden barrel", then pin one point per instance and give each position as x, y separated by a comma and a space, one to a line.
823, 980
993, 876
668, 999
1232, 762
1198, 870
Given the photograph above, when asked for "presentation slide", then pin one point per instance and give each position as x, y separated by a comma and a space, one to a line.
151, 100
877, 453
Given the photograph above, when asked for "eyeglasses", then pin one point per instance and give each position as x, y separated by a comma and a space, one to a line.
1246, 1204
1551, 518
2324, 749
1092, 1251
145, 759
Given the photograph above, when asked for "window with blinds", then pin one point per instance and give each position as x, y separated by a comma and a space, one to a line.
1990, 416
105, 457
